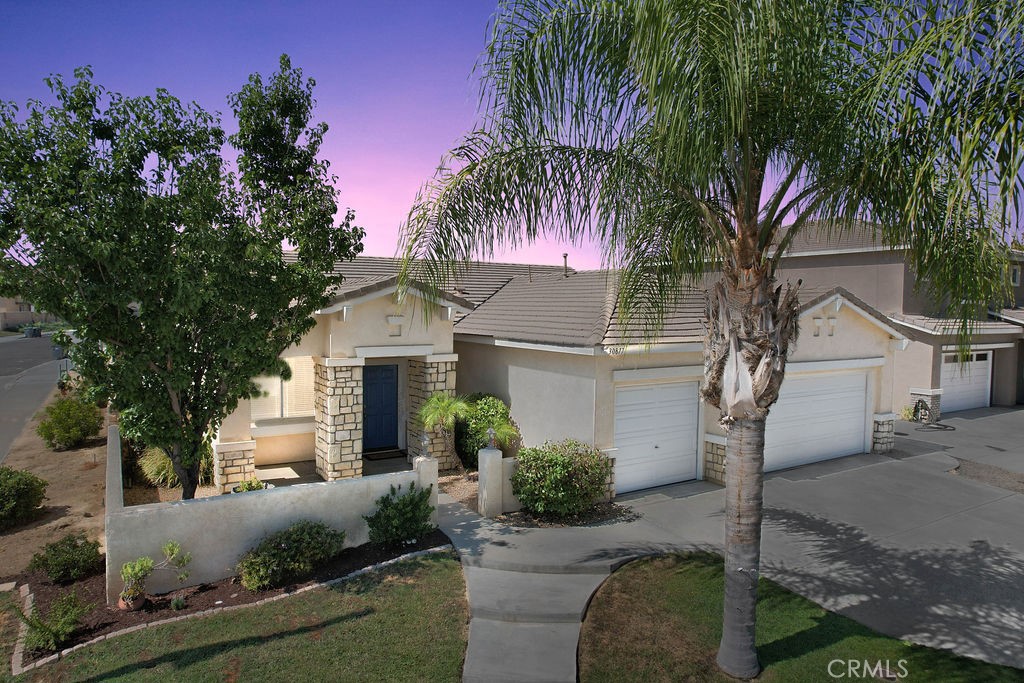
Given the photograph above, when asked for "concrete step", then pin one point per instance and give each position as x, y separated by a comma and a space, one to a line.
529, 597
501, 651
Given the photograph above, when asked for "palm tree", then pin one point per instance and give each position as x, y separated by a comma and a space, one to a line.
439, 413
681, 135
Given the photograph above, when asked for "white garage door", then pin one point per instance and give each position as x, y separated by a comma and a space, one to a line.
817, 417
966, 386
655, 435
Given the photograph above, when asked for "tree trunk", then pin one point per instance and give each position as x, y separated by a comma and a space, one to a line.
188, 475
744, 474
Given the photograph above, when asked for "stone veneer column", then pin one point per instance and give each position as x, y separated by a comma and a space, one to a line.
883, 436
338, 412
233, 463
714, 461
428, 376
933, 397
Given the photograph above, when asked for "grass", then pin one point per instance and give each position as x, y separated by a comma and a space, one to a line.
660, 619
405, 623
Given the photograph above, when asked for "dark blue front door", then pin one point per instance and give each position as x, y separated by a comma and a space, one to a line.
380, 406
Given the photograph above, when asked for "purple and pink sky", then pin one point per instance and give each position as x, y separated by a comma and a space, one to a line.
393, 79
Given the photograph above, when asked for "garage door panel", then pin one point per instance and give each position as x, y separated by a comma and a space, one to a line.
816, 418
965, 386
656, 428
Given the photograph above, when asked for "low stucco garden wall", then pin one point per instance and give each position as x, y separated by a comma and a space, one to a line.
219, 530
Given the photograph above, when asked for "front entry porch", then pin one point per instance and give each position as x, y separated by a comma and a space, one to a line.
304, 471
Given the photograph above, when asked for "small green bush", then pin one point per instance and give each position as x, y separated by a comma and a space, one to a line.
289, 554
486, 412
253, 484
401, 518
156, 466
50, 633
178, 603
70, 558
69, 422
21, 494
134, 574
560, 479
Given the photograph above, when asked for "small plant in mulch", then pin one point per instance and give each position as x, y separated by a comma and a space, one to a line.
51, 632
69, 559
69, 423
401, 518
253, 484
134, 574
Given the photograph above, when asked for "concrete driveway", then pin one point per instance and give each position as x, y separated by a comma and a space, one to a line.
900, 543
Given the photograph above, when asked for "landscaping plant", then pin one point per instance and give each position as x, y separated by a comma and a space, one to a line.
69, 422
134, 574
50, 633
70, 558
485, 412
253, 484
560, 479
289, 554
158, 469
21, 494
401, 518
439, 413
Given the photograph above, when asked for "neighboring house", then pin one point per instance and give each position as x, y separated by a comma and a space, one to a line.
929, 369
15, 312
1013, 313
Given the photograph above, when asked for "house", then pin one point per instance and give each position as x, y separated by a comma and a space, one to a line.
929, 369
358, 378
1013, 312
549, 342
14, 312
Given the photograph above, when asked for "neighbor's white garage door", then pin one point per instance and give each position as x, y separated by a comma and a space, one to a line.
966, 386
817, 417
655, 435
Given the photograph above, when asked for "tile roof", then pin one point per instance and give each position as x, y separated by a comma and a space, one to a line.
818, 237
1014, 315
950, 326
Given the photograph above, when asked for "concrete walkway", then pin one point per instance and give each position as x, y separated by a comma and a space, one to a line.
529, 588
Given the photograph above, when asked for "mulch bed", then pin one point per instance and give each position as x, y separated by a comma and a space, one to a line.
599, 515
107, 619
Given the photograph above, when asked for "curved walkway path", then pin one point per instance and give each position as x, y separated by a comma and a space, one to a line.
529, 588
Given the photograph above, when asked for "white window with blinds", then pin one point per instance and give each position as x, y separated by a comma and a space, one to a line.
293, 398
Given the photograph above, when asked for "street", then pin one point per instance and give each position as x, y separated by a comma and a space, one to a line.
28, 373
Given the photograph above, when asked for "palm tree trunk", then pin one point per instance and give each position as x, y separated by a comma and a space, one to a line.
744, 473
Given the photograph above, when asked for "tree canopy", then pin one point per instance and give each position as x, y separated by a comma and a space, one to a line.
128, 218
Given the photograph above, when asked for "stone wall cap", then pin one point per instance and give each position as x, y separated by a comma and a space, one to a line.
926, 392
883, 417
339, 362
715, 438
232, 446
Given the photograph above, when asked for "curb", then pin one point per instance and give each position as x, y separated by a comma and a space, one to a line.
19, 648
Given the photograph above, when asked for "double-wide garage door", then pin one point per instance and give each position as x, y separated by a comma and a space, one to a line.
966, 385
657, 427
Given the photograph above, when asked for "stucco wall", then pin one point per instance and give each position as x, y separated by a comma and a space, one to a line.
551, 395
368, 325
1004, 377
916, 367
274, 450
219, 530
876, 277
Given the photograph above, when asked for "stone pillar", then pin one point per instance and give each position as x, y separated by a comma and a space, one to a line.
933, 397
714, 459
338, 411
609, 483
233, 463
883, 436
428, 376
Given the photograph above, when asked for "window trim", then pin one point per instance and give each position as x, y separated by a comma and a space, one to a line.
1015, 276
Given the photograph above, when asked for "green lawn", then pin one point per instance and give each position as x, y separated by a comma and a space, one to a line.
408, 622
660, 619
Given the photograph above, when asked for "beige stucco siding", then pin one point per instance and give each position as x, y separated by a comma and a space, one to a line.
1004, 377
877, 277
273, 450
368, 325
917, 368
551, 395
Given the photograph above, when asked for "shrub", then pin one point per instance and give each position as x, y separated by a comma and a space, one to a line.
486, 412
70, 558
178, 603
401, 518
560, 479
289, 554
49, 633
69, 422
21, 494
156, 466
253, 484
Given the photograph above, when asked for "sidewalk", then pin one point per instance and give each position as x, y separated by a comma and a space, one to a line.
529, 588
20, 397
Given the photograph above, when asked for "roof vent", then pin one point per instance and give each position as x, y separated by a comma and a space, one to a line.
565, 265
